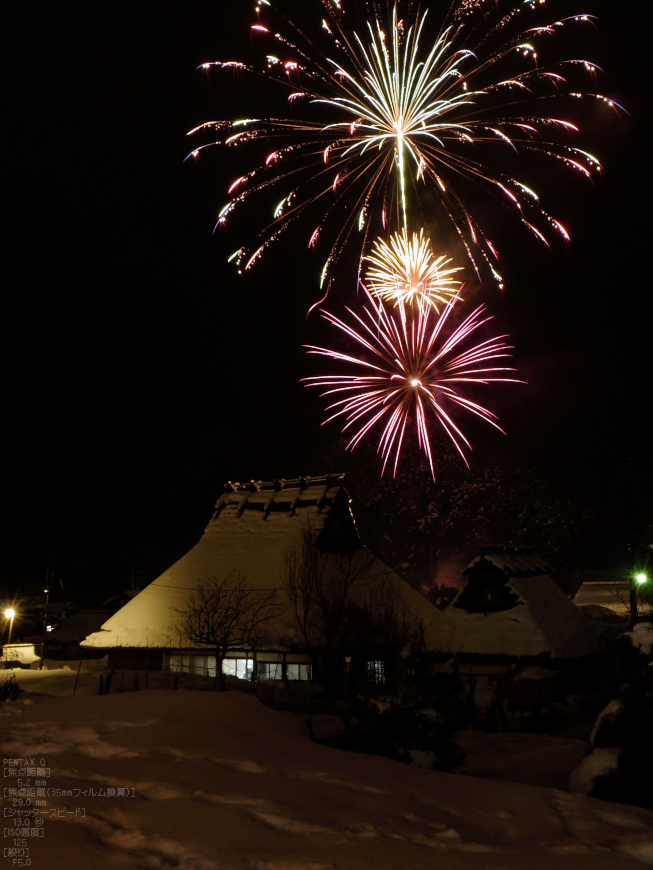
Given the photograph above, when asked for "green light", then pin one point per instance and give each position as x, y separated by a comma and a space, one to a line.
641, 578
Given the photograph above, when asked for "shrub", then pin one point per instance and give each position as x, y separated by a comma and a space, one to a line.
628, 728
10, 690
399, 730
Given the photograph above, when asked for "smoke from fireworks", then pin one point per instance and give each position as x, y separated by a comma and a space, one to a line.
400, 109
410, 370
405, 270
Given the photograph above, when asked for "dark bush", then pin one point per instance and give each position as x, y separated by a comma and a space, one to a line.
10, 690
630, 730
398, 730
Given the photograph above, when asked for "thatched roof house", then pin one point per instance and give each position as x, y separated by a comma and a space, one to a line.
253, 528
510, 606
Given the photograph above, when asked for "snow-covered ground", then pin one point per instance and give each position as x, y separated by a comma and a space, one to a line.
221, 782
536, 759
59, 682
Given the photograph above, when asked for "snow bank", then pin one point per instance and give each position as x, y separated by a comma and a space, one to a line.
535, 759
59, 682
600, 762
641, 637
611, 710
221, 782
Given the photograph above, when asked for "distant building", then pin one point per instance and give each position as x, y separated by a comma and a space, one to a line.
117, 601
604, 589
66, 636
18, 655
511, 607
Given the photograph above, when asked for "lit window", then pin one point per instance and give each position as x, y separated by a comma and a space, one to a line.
241, 668
298, 672
376, 672
270, 671
203, 665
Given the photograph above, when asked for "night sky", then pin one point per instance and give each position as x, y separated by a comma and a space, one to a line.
141, 372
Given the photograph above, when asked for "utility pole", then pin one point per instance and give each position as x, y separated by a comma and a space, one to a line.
46, 589
630, 538
49, 577
637, 582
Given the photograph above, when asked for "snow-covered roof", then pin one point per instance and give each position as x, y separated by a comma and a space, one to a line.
114, 600
544, 620
252, 529
513, 561
77, 626
615, 595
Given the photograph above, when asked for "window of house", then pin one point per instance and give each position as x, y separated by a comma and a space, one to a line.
204, 665
193, 664
241, 668
376, 671
298, 672
269, 670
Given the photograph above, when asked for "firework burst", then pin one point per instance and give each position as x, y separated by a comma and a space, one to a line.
393, 110
405, 271
411, 370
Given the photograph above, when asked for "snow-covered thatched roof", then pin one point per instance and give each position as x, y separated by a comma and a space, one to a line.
77, 626
513, 561
253, 528
534, 618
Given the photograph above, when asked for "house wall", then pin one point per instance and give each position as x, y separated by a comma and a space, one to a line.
135, 659
244, 664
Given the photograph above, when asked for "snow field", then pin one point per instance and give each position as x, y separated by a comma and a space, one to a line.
224, 783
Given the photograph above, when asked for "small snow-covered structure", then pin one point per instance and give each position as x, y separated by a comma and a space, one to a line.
511, 607
253, 528
18, 654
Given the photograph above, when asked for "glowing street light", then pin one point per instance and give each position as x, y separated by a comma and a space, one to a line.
9, 614
638, 583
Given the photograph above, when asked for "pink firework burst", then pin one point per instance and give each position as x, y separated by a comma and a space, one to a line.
411, 367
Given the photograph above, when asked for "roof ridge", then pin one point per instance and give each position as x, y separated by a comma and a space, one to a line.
285, 482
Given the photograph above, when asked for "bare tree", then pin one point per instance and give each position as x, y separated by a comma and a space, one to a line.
320, 586
393, 624
341, 603
225, 613
624, 594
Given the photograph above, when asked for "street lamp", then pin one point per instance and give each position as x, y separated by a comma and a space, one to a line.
9, 614
639, 581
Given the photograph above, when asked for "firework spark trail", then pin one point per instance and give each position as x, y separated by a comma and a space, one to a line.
408, 369
402, 112
405, 270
